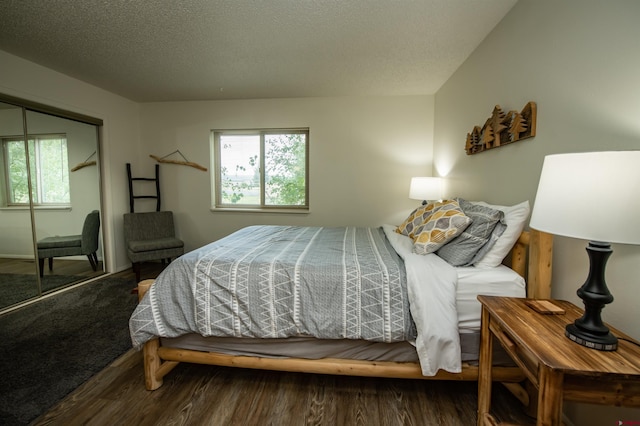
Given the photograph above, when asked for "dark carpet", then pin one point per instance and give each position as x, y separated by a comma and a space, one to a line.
51, 347
16, 288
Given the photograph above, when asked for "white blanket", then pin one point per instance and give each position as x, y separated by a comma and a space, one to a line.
431, 284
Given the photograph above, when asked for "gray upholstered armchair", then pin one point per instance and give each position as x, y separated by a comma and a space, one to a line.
150, 236
72, 245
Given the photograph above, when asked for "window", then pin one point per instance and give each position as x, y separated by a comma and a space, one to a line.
261, 169
49, 170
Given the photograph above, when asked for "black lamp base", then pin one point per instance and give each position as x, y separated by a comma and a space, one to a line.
589, 330
607, 342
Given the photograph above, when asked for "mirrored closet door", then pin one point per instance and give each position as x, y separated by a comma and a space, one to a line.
50, 202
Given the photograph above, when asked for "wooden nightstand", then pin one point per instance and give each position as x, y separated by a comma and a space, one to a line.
559, 368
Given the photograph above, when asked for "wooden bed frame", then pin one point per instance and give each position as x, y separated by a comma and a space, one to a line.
531, 258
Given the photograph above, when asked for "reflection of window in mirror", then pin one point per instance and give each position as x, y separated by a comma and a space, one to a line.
49, 164
41, 196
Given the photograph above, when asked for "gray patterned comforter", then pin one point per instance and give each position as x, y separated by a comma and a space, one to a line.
282, 281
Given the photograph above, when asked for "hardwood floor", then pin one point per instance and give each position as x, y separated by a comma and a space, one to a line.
209, 395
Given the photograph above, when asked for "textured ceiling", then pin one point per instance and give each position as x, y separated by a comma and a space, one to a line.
170, 50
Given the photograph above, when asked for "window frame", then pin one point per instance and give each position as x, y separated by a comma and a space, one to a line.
34, 168
216, 177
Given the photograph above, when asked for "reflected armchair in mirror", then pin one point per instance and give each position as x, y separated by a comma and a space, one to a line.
72, 245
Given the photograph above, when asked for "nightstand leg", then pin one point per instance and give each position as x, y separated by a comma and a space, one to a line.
484, 373
549, 397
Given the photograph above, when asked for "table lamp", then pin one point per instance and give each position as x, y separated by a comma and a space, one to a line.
593, 196
425, 188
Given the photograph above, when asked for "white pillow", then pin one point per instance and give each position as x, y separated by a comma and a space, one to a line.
515, 217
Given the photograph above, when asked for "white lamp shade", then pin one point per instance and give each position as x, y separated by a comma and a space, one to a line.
425, 188
593, 196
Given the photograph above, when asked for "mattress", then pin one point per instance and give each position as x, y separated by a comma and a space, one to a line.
472, 281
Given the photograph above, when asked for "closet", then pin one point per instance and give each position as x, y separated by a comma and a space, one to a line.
49, 183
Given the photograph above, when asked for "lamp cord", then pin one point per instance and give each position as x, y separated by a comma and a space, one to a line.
629, 340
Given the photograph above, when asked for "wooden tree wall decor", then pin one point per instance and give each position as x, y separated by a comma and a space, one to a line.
502, 129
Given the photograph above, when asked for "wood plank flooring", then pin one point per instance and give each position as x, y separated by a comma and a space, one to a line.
209, 395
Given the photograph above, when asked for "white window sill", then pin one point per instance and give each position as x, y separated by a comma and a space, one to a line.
16, 208
259, 210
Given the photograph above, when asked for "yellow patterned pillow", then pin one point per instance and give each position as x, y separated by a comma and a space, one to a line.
415, 219
446, 221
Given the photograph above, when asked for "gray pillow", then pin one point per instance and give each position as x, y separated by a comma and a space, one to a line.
486, 227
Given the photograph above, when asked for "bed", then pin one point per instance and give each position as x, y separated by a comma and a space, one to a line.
396, 341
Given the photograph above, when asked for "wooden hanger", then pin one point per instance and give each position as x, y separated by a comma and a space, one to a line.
182, 163
85, 163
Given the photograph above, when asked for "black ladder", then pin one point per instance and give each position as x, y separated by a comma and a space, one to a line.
132, 197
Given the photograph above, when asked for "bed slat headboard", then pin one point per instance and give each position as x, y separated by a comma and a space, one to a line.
531, 257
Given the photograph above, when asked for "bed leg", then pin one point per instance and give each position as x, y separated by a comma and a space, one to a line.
152, 361
143, 287
151, 364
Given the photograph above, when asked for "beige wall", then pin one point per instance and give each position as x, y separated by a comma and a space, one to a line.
363, 153
578, 61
